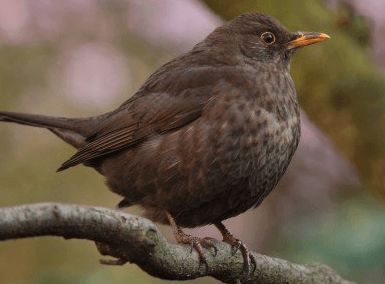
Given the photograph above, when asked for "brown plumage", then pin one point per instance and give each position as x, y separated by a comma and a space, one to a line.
206, 137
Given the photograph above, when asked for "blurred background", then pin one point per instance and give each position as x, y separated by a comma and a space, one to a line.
84, 57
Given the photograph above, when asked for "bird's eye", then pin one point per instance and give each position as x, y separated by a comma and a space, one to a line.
268, 37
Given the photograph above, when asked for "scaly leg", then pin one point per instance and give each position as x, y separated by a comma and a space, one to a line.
196, 243
248, 258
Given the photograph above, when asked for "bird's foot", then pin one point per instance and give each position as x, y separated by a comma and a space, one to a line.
105, 249
113, 262
248, 258
236, 244
196, 243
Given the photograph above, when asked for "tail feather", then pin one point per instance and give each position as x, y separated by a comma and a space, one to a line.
74, 131
42, 121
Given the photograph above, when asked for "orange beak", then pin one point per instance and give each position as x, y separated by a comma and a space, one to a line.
306, 38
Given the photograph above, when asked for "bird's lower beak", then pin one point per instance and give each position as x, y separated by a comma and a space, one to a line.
306, 38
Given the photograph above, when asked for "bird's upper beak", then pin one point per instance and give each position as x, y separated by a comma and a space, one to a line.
306, 38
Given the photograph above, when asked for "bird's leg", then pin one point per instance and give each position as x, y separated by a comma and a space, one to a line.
248, 258
196, 243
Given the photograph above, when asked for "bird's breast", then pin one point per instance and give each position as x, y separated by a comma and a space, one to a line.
242, 151
254, 141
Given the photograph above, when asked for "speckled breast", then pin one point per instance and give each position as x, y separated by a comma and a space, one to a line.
253, 139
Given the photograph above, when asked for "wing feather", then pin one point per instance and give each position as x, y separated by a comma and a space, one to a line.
133, 134
166, 102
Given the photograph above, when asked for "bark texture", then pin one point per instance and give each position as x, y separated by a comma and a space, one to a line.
129, 238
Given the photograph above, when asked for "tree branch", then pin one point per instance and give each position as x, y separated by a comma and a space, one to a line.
130, 238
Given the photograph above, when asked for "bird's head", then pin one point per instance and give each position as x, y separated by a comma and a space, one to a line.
262, 38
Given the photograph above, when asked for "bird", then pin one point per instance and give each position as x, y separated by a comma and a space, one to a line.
206, 137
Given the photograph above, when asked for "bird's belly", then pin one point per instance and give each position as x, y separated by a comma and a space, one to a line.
245, 175
204, 173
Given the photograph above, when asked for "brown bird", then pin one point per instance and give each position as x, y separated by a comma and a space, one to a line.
206, 137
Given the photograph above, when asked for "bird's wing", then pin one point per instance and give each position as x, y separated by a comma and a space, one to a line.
151, 111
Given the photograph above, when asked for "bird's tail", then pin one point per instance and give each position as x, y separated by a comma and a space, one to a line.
72, 130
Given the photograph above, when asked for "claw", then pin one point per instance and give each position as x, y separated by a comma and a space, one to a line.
195, 243
210, 243
237, 245
246, 259
191, 246
117, 261
254, 262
